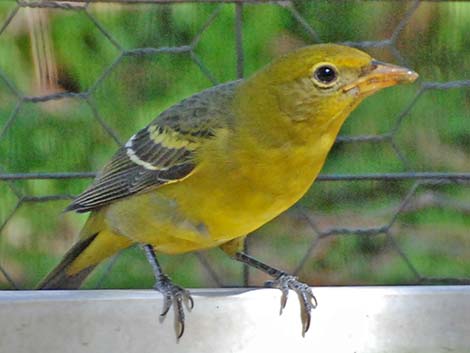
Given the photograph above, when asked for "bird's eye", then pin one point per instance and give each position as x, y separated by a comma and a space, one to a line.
325, 75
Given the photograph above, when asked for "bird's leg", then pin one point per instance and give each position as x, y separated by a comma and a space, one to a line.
284, 282
172, 294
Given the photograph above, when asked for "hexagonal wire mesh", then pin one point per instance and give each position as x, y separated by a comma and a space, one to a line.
419, 189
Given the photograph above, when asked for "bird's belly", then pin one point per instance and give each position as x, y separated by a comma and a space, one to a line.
237, 203
152, 218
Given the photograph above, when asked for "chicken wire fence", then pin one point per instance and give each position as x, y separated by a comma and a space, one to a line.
421, 187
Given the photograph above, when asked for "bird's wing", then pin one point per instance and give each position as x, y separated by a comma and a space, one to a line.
163, 152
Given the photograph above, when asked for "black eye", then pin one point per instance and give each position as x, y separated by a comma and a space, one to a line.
325, 74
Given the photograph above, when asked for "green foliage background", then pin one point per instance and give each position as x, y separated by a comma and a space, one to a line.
64, 136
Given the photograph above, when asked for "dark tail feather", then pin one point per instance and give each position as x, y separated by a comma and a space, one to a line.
58, 278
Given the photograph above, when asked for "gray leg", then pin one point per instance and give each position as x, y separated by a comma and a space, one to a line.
284, 282
172, 294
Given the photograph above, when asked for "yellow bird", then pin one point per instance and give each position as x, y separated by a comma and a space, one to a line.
218, 165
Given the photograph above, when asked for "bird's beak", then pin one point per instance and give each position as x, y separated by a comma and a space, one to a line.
380, 75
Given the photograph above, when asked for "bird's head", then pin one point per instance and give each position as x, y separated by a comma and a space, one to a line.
324, 82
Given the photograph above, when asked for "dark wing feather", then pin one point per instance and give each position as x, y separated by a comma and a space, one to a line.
163, 152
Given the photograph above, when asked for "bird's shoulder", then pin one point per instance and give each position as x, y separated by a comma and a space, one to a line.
209, 109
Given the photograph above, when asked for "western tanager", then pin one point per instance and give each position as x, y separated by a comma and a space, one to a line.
216, 166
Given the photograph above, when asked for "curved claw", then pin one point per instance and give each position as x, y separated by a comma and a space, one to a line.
284, 296
189, 299
307, 300
166, 304
174, 296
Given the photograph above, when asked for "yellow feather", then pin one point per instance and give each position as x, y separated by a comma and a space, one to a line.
172, 139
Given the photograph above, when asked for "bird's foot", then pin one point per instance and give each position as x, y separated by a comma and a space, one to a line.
308, 302
176, 296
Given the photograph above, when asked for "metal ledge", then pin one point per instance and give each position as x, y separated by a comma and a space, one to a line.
348, 319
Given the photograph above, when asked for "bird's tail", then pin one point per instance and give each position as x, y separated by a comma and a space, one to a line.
96, 243
59, 278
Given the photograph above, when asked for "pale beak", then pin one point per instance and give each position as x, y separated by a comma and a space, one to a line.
380, 75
